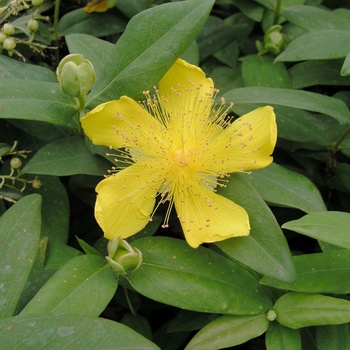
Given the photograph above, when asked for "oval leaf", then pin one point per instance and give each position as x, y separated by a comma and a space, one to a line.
278, 337
68, 156
317, 45
227, 331
69, 333
37, 100
280, 186
163, 32
265, 250
329, 226
19, 236
327, 272
309, 101
84, 286
196, 279
297, 310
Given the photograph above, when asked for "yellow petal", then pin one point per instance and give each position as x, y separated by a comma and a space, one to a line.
123, 123
245, 145
186, 94
208, 217
126, 200
96, 6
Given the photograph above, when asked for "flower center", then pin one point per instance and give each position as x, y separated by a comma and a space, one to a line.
181, 157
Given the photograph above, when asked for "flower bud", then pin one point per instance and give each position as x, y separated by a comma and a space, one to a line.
3, 37
9, 44
33, 25
36, 183
275, 41
8, 29
122, 257
37, 3
15, 163
75, 75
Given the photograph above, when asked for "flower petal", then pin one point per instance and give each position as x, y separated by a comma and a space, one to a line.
208, 217
187, 96
123, 123
245, 145
126, 200
96, 6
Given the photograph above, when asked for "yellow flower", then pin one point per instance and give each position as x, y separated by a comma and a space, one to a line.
99, 5
180, 148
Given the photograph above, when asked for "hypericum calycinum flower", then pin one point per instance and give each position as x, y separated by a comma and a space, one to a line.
181, 148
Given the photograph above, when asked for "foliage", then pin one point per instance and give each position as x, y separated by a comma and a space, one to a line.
285, 286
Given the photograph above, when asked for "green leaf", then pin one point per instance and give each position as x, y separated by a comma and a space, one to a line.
217, 33
153, 40
327, 272
312, 18
295, 125
68, 156
311, 73
35, 100
265, 250
297, 310
196, 279
19, 236
68, 332
345, 69
96, 24
282, 187
309, 101
227, 331
333, 337
59, 254
317, 45
330, 226
55, 208
84, 286
97, 51
13, 69
262, 71
278, 337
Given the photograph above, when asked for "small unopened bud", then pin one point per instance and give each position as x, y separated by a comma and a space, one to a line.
15, 163
8, 29
3, 37
9, 44
36, 183
33, 25
37, 2
271, 315
122, 256
75, 75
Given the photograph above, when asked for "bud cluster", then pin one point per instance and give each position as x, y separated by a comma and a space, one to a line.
12, 184
12, 31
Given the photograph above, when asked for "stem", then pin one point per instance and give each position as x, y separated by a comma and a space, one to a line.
55, 29
277, 11
132, 310
336, 144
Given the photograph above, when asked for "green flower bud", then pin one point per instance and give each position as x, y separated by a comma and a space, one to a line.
37, 2
36, 183
75, 75
15, 163
33, 25
274, 40
271, 315
122, 257
8, 29
9, 44
3, 37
